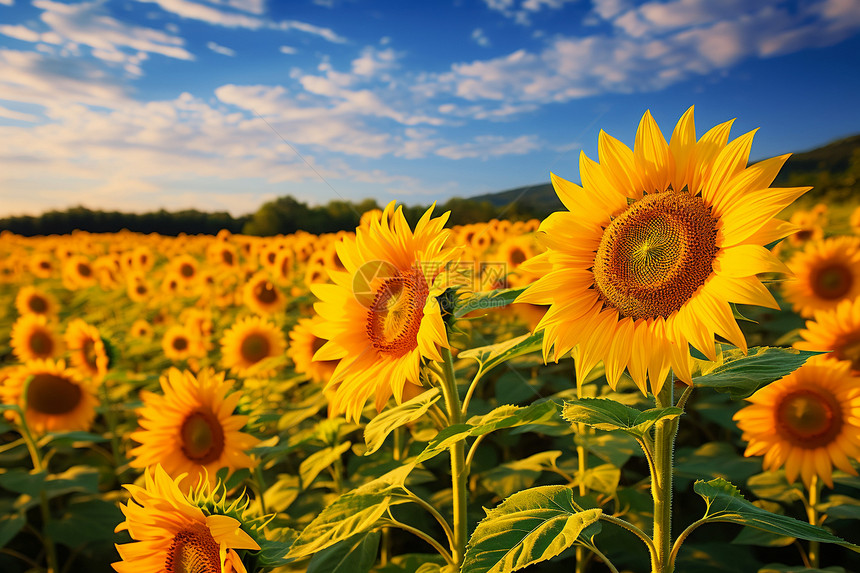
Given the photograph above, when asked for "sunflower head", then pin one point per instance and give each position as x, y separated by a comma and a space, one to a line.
836, 331
654, 246
303, 345
263, 296
87, 349
175, 533
31, 300
180, 343
33, 338
807, 421
191, 428
826, 273
248, 343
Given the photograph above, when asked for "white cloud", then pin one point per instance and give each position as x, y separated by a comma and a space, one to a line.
325, 33
17, 115
7, 2
487, 146
522, 14
219, 49
372, 62
208, 14
20, 33
289, 50
480, 38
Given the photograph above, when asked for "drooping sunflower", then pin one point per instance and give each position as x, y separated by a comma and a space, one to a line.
31, 300
172, 534
249, 342
654, 246
381, 315
33, 338
826, 273
87, 349
56, 399
836, 330
808, 421
191, 428
263, 296
304, 344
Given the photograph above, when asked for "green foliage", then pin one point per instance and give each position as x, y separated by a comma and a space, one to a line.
606, 414
356, 554
528, 527
490, 356
741, 375
386, 422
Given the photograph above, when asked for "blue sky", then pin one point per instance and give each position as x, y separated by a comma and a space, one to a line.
221, 105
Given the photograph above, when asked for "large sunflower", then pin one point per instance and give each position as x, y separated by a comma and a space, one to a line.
34, 339
304, 344
837, 331
173, 535
654, 246
191, 428
56, 398
381, 315
87, 349
808, 421
249, 342
826, 273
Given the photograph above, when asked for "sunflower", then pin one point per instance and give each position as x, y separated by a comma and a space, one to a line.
654, 246
34, 339
263, 296
78, 272
31, 300
179, 343
826, 272
191, 428
810, 225
249, 342
381, 315
56, 398
303, 345
808, 421
137, 288
172, 534
837, 331
87, 349
854, 220
185, 268
41, 265
141, 329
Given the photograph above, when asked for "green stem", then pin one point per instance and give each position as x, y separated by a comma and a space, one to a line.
631, 528
582, 466
604, 558
812, 514
432, 511
261, 486
110, 418
39, 467
681, 538
459, 475
661, 482
420, 534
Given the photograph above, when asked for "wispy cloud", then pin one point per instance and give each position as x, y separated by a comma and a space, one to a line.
480, 38
219, 49
487, 146
521, 11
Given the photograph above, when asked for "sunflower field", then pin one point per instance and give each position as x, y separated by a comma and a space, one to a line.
663, 377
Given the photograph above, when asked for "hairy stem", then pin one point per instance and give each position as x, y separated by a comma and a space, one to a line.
812, 514
661, 482
459, 475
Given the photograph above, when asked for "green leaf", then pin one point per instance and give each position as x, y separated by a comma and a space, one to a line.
486, 300
741, 375
311, 467
85, 522
518, 475
70, 438
357, 511
494, 354
605, 414
725, 503
273, 552
774, 486
77, 478
356, 554
530, 526
603, 478
383, 424
840, 507
715, 459
497, 419
10, 525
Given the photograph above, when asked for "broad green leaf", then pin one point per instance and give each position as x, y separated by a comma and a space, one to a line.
354, 512
383, 424
605, 414
84, 522
741, 375
774, 486
530, 526
70, 438
486, 300
275, 548
715, 459
840, 507
751, 536
603, 478
614, 448
410, 562
10, 525
497, 419
356, 554
494, 354
77, 478
311, 467
725, 503
518, 475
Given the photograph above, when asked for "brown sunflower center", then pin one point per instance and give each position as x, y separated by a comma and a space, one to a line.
37, 304
193, 550
848, 348
180, 343
227, 257
140, 289
255, 347
655, 255
41, 343
395, 314
202, 437
46, 265
265, 292
832, 281
52, 394
84, 270
186, 270
809, 419
517, 257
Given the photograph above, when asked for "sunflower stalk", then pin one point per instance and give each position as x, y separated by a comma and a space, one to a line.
661, 482
814, 554
459, 475
582, 466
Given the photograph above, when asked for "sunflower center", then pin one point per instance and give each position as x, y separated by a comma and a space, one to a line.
202, 437
84, 270
37, 304
849, 349
227, 257
517, 257
180, 343
41, 343
655, 255
809, 419
141, 289
45, 265
186, 270
395, 314
832, 282
52, 394
193, 550
255, 347
265, 292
